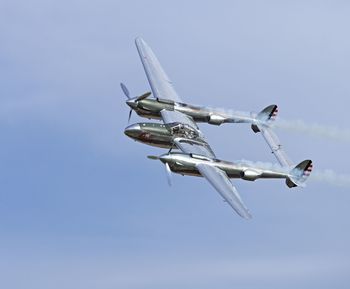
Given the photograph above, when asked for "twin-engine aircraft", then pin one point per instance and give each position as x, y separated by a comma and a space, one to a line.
195, 157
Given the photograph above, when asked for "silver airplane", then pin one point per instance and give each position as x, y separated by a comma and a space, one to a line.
165, 97
197, 158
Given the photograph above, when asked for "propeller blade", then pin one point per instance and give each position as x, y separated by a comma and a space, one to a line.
129, 115
143, 96
168, 173
153, 157
125, 90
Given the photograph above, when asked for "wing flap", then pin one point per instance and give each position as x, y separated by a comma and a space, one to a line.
220, 181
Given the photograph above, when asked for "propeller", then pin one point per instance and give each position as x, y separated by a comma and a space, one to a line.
125, 90
132, 102
167, 169
143, 96
168, 173
127, 94
153, 157
130, 113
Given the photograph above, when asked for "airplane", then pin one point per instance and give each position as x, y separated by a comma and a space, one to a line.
196, 157
165, 97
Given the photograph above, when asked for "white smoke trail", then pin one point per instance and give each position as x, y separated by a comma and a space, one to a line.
313, 129
331, 177
264, 165
330, 132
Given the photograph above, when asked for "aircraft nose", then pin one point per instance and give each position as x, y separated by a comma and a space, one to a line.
133, 130
132, 103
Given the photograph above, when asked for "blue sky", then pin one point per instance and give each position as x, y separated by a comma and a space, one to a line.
80, 204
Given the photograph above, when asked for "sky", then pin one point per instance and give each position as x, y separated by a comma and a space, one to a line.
80, 204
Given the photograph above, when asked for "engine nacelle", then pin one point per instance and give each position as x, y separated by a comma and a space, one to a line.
216, 119
250, 175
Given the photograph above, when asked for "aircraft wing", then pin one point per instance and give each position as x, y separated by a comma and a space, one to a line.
220, 181
159, 81
170, 116
193, 147
275, 145
188, 145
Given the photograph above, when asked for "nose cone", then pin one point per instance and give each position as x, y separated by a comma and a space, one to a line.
132, 103
133, 130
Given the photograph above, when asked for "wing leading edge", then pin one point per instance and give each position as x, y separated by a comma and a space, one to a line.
220, 181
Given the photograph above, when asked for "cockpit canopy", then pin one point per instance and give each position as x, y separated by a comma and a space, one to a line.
185, 130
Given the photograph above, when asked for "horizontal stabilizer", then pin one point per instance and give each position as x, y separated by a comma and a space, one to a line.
275, 145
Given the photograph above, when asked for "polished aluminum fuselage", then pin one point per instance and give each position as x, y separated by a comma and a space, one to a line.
154, 134
186, 164
151, 108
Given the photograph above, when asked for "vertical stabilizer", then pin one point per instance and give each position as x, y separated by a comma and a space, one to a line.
299, 174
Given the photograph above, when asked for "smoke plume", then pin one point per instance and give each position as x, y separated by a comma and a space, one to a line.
324, 131
331, 177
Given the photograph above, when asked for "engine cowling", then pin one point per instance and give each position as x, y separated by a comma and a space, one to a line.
216, 119
250, 175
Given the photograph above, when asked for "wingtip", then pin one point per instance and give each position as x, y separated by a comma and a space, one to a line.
139, 40
247, 216
244, 213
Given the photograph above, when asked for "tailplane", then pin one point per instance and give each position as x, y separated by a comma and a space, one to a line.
299, 174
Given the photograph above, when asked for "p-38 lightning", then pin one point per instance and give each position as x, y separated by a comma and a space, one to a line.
196, 158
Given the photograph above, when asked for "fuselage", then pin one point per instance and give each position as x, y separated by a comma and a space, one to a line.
154, 134
185, 164
151, 108
161, 135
